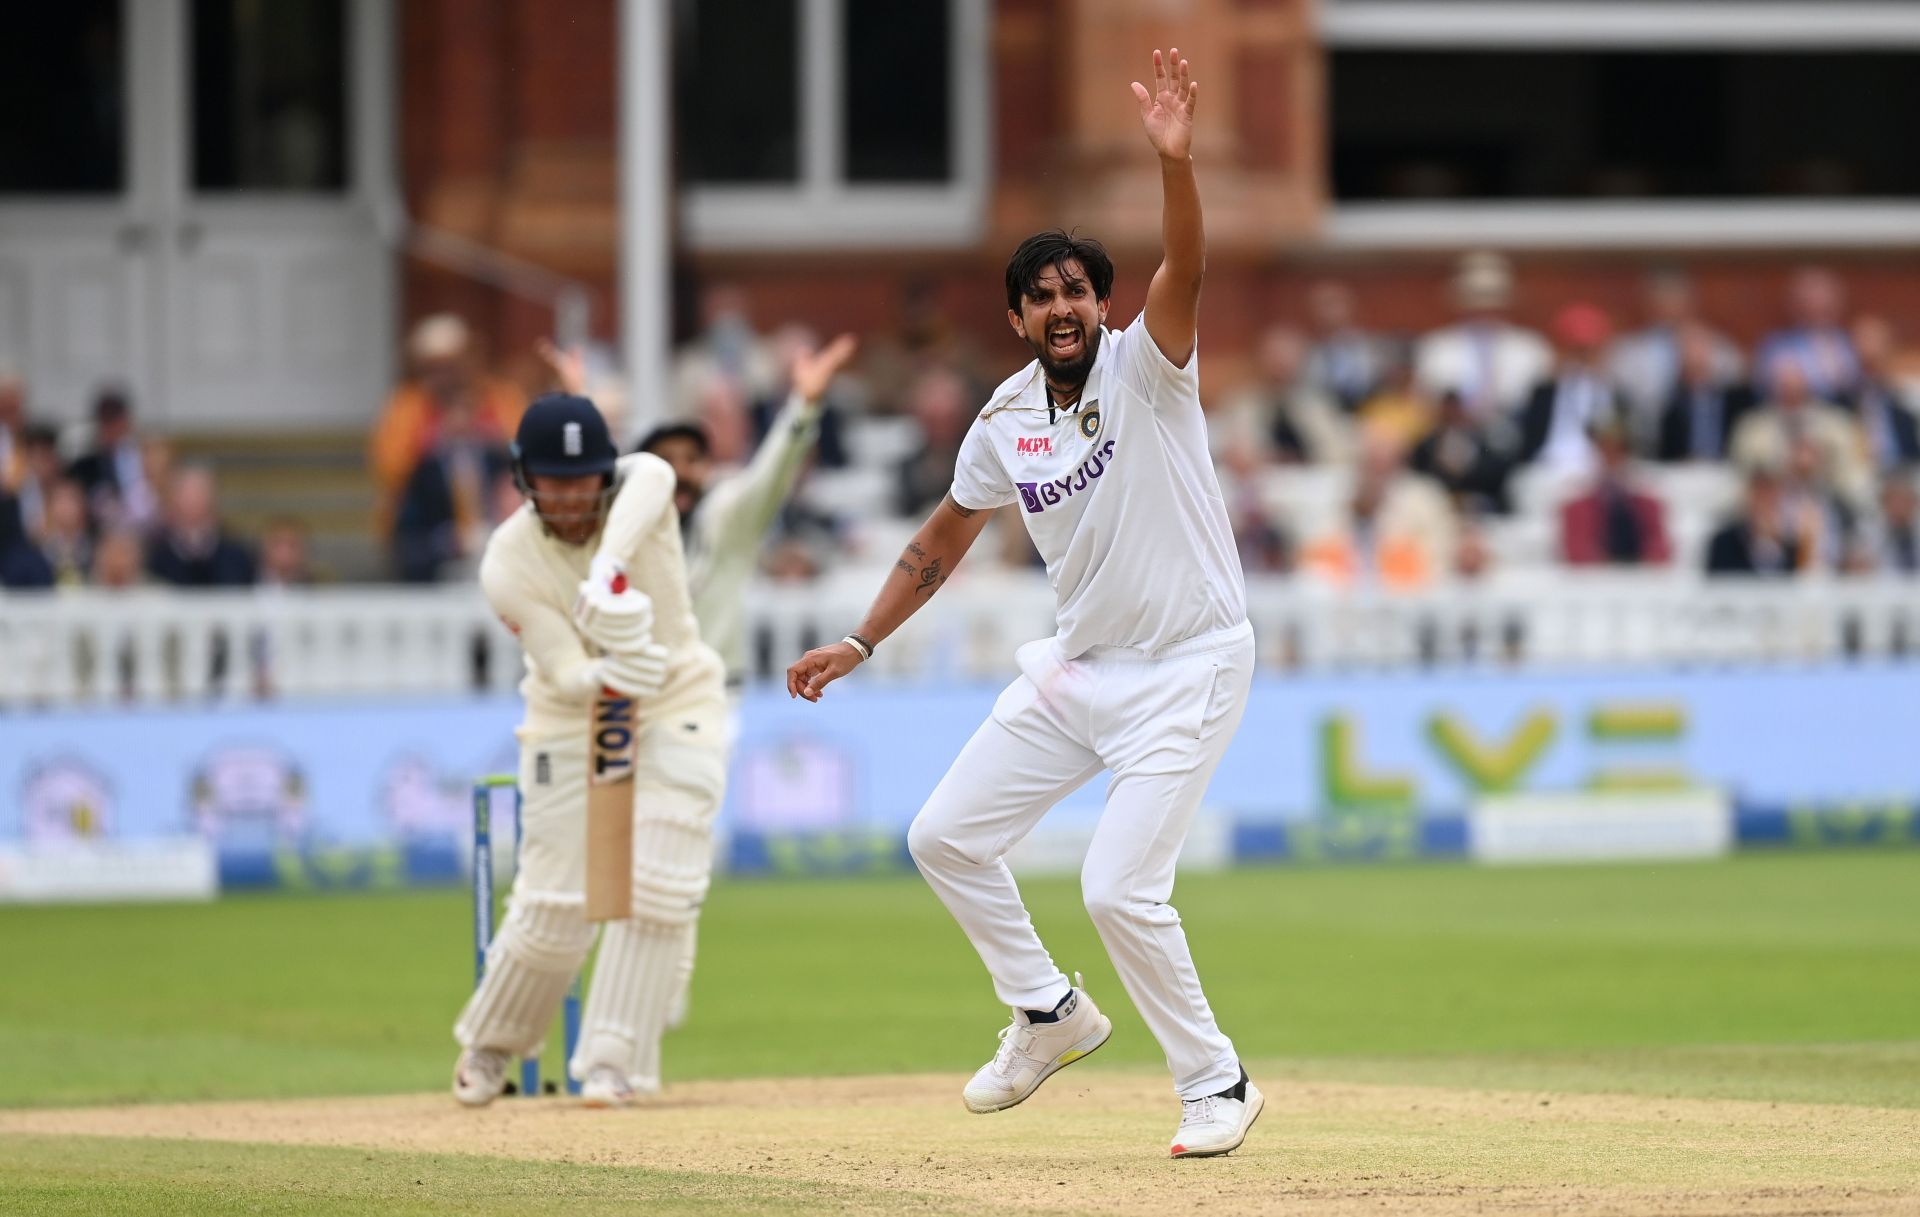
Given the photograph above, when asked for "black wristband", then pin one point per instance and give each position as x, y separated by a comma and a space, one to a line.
864, 643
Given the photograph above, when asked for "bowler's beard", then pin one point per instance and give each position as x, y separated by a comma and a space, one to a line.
1072, 373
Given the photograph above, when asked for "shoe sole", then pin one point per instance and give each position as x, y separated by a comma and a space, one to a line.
1254, 1108
607, 1102
1079, 1052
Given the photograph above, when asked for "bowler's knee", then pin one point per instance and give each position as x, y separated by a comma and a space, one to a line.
1111, 901
1106, 897
928, 843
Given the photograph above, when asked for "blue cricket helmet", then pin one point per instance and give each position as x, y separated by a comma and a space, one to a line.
562, 435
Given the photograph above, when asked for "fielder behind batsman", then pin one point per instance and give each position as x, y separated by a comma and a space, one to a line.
589, 574
1102, 443
723, 524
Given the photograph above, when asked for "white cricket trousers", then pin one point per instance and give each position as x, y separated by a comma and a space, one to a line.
1160, 722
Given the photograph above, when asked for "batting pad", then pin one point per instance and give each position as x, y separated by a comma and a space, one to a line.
541, 945
645, 1074
632, 988
676, 794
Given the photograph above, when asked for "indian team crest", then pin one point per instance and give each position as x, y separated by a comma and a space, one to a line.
1090, 423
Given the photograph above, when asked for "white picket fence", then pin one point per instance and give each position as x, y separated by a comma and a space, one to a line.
156, 646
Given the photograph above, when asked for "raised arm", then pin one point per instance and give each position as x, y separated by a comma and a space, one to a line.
1173, 298
923, 566
758, 491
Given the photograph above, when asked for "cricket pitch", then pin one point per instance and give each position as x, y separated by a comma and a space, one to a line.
1094, 1141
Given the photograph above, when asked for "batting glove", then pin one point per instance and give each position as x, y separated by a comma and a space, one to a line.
613, 620
641, 672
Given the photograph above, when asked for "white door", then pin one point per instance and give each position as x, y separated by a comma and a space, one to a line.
78, 262
207, 233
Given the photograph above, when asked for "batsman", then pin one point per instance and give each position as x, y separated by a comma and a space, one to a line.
622, 756
724, 520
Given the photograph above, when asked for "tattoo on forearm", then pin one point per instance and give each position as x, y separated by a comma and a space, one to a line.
965, 513
931, 577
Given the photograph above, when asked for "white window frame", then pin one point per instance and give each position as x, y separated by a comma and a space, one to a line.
1560, 25
822, 210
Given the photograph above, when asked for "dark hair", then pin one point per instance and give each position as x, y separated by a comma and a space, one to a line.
39, 435
111, 406
667, 431
1055, 248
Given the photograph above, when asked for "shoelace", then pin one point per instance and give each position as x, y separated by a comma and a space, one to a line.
1009, 1048
1199, 1111
1009, 1041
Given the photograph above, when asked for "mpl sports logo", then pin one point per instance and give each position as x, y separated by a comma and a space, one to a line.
1033, 445
1036, 497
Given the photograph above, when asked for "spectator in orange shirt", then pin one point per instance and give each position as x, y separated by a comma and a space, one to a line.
446, 379
1398, 532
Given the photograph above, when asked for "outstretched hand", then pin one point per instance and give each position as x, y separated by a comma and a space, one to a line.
813, 372
1166, 110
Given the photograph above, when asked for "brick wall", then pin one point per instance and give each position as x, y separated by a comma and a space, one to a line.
508, 136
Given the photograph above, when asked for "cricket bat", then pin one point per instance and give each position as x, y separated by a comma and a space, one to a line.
611, 743
610, 752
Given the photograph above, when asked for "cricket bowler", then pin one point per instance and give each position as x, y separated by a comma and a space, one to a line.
1101, 442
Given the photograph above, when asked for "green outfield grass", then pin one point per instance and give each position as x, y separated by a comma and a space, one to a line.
1778, 977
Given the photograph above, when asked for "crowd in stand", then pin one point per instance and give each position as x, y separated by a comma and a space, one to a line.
122, 511
1351, 457
1814, 429
1418, 448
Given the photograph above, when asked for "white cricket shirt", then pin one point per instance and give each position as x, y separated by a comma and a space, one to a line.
531, 579
1119, 496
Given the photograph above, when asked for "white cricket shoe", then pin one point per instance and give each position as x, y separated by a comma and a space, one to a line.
645, 1085
644, 1077
1031, 1052
479, 1076
1218, 1123
607, 1086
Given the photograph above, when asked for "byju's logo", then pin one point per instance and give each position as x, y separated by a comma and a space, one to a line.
1038, 496
1033, 445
